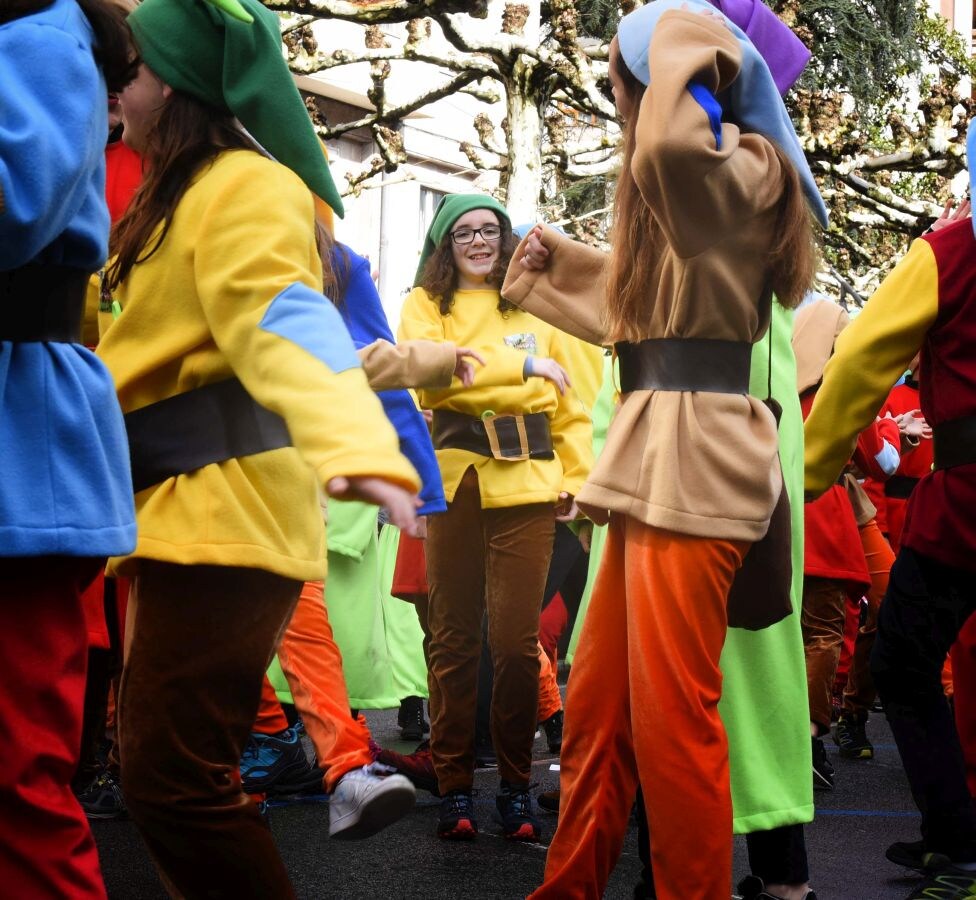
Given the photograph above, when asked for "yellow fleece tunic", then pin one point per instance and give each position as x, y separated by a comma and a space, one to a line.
219, 299
505, 340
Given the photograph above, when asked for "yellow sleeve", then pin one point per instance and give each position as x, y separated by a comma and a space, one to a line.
409, 364
870, 355
572, 428
702, 177
569, 293
258, 278
420, 319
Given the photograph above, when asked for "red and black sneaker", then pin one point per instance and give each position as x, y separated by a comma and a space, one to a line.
457, 821
515, 810
417, 766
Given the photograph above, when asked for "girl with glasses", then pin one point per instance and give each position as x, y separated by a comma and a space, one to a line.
513, 451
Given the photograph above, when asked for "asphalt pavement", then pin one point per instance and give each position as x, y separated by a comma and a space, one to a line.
869, 808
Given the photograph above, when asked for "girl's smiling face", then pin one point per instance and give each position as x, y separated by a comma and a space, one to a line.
476, 260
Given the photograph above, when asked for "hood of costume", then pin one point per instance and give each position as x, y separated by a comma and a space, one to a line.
752, 101
448, 211
214, 54
815, 329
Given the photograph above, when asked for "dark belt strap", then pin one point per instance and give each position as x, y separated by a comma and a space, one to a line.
685, 364
505, 437
900, 487
209, 424
955, 442
42, 303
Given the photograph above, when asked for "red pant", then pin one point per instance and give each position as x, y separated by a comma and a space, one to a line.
643, 703
312, 664
46, 847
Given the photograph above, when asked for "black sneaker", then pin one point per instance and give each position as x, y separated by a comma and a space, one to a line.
851, 738
457, 821
752, 888
823, 771
515, 810
102, 798
553, 727
276, 764
949, 883
549, 801
912, 855
410, 718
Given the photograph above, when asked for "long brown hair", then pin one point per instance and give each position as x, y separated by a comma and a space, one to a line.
440, 277
186, 136
791, 261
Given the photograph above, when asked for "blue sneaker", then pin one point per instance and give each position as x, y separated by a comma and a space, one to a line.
514, 805
457, 821
275, 764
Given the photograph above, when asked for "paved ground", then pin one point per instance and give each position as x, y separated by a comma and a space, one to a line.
870, 808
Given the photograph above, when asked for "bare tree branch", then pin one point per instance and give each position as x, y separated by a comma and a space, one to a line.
377, 11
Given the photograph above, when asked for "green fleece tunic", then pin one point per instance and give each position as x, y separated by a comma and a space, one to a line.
764, 697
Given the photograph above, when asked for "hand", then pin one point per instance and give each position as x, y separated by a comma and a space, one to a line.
544, 367
399, 503
586, 535
566, 508
428, 415
912, 425
464, 369
950, 215
535, 256
420, 529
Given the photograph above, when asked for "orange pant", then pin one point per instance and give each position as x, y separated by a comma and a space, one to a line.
860, 691
312, 664
643, 704
550, 701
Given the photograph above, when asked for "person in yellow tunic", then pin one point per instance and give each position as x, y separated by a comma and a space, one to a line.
243, 395
513, 451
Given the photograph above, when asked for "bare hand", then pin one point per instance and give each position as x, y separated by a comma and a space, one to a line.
912, 425
950, 215
420, 529
400, 504
566, 508
464, 369
544, 367
428, 415
535, 256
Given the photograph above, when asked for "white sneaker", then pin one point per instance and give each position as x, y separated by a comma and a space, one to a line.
363, 803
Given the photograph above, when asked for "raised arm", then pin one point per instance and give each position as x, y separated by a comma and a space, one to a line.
702, 178
566, 289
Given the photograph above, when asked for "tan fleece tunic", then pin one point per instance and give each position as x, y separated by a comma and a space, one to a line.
698, 463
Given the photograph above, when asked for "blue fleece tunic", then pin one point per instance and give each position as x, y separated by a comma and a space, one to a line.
363, 315
65, 487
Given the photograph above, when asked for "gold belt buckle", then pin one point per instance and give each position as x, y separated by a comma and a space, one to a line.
489, 420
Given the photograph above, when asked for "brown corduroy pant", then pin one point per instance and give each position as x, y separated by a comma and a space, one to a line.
478, 559
822, 621
199, 640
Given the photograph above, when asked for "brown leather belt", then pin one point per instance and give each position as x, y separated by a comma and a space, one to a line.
506, 437
209, 424
900, 487
42, 303
685, 364
955, 442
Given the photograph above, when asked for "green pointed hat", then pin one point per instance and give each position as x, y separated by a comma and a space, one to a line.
448, 211
227, 53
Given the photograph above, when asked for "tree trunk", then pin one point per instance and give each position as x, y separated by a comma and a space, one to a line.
523, 135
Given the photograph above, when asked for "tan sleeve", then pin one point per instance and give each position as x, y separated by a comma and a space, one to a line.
702, 178
409, 364
568, 293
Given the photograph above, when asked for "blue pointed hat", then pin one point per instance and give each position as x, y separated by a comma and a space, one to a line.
971, 161
752, 101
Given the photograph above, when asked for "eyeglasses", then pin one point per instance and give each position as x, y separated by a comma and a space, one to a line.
466, 235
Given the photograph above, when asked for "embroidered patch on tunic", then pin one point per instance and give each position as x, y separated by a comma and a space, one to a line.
524, 340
